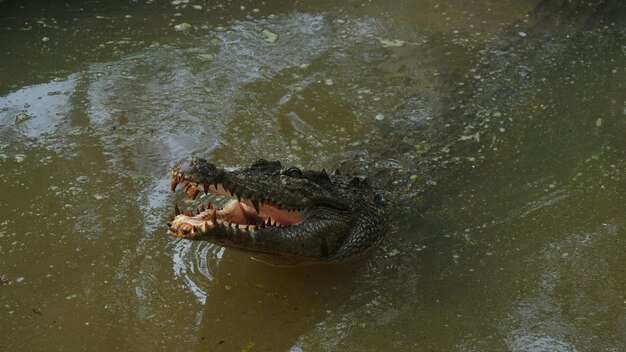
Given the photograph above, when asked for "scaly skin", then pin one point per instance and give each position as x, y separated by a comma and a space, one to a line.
281, 215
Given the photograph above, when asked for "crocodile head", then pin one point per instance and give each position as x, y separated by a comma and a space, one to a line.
278, 215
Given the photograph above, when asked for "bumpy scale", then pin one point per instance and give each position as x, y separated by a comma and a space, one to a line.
279, 215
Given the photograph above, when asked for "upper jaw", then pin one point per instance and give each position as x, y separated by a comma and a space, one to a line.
199, 175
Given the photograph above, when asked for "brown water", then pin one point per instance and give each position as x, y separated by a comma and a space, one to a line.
499, 128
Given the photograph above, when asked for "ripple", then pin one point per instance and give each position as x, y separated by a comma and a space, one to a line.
193, 262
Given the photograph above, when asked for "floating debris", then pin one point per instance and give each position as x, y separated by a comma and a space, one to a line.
248, 347
421, 149
329, 82
182, 27
522, 34
141, 178
207, 56
20, 157
475, 136
391, 43
82, 179
21, 118
269, 36
4, 280
599, 123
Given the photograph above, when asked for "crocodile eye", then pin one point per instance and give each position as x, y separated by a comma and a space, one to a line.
293, 172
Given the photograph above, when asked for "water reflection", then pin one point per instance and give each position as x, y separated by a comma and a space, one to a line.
565, 289
45, 105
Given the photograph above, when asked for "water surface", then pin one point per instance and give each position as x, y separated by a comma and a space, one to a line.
495, 127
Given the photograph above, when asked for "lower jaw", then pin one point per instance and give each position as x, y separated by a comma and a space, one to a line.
235, 214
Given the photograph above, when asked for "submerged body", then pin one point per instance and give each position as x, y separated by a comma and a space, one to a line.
279, 215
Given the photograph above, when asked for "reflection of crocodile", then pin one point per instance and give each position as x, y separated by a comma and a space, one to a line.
280, 215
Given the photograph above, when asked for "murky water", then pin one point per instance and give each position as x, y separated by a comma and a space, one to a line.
498, 129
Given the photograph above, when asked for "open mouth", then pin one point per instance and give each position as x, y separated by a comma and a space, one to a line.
237, 213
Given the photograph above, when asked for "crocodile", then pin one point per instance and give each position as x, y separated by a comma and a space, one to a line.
279, 215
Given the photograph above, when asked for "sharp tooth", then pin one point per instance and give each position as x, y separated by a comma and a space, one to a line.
174, 183
176, 209
255, 203
269, 221
202, 208
170, 216
195, 194
191, 191
214, 216
239, 198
